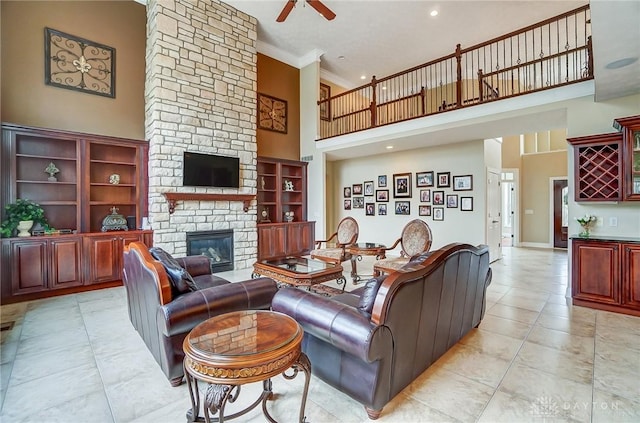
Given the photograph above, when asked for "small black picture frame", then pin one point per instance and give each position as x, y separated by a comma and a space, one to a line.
358, 202
452, 201
346, 191
403, 207
347, 204
424, 210
368, 188
466, 203
370, 209
438, 213
382, 181
425, 195
382, 209
424, 179
443, 179
356, 189
463, 183
382, 195
438, 198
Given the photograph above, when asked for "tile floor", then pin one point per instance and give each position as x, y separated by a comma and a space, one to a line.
534, 358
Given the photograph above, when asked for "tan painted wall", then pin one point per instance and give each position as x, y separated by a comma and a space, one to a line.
534, 193
511, 152
282, 81
25, 97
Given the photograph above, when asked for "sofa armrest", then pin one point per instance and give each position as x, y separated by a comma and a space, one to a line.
196, 265
335, 323
188, 310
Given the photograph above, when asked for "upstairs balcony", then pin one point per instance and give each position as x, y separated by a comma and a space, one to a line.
545, 55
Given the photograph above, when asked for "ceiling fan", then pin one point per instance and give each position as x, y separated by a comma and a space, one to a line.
316, 4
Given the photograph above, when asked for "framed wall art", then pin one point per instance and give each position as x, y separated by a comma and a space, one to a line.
382, 209
382, 195
325, 108
272, 113
424, 210
347, 204
368, 188
78, 64
382, 181
463, 183
370, 209
424, 179
438, 198
444, 179
358, 202
403, 207
438, 213
402, 185
452, 201
356, 189
425, 195
466, 203
347, 192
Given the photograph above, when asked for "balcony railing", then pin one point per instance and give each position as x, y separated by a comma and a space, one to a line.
548, 54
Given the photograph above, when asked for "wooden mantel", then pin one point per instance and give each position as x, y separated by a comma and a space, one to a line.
173, 197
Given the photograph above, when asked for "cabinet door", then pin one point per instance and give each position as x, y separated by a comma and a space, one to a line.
300, 237
631, 275
65, 259
271, 241
101, 258
29, 266
596, 272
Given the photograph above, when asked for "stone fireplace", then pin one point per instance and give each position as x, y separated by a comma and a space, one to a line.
200, 96
217, 245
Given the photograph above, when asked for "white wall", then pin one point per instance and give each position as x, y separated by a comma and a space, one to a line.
459, 159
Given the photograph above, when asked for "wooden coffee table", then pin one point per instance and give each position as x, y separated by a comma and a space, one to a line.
300, 271
242, 347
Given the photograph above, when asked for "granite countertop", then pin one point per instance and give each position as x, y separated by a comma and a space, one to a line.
610, 238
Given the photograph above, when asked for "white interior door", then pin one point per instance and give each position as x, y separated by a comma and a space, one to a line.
494, 221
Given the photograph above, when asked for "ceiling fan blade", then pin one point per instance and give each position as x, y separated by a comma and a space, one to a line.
322, 9
286, 10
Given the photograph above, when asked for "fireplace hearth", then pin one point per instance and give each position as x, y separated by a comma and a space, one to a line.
217, 245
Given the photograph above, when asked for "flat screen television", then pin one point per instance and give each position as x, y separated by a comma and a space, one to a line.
208, 170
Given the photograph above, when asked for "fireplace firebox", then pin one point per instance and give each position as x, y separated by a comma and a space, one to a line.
217, 245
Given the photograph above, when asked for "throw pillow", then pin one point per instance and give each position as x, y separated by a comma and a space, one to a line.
180, 279
369, 293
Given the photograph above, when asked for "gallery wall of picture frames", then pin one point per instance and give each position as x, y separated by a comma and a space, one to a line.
435, 192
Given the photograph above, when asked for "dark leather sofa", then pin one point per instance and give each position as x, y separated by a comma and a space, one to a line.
163, 315
373, 342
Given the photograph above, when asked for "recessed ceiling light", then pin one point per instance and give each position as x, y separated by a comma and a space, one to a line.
389, 147
363, 77
340, 57
434, 13
384, 87
621, 63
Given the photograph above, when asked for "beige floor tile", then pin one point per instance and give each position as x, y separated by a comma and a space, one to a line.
527, 303
450, 393
506, 408
492, 344
503, 326
574, 326
608, 407
513, 313
620, 322
617, 371
557, 362
544, 388
93, 407
581, 346
464, 361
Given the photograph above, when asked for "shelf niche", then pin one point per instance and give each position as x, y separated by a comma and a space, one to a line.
174, 197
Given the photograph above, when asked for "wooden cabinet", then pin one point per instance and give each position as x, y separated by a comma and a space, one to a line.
77, 179
104, 254
607, 166
282, 188
282, 192
605, 274
276, 240
630, 129
597, 167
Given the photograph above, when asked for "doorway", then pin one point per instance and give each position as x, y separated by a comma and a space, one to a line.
494, 222
509, 183
560, 216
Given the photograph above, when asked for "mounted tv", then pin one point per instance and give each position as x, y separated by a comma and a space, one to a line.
208, 170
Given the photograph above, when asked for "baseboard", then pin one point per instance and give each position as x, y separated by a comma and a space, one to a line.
534, 245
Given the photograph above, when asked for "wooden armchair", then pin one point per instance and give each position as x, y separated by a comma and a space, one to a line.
345, 235
415, 239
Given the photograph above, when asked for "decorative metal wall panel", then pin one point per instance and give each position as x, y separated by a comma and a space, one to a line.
77, 64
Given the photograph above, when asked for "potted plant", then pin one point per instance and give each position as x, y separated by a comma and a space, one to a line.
22, 211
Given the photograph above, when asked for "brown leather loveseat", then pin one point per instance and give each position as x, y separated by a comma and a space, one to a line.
165, 303
374, 341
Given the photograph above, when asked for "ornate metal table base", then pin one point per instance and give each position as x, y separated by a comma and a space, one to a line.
218, 395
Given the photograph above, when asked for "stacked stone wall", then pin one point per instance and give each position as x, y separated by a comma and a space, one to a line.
200, 96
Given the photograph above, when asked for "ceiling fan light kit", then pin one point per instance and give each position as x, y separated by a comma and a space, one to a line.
316, 4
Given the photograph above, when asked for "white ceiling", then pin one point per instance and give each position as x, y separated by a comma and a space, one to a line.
382, 37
